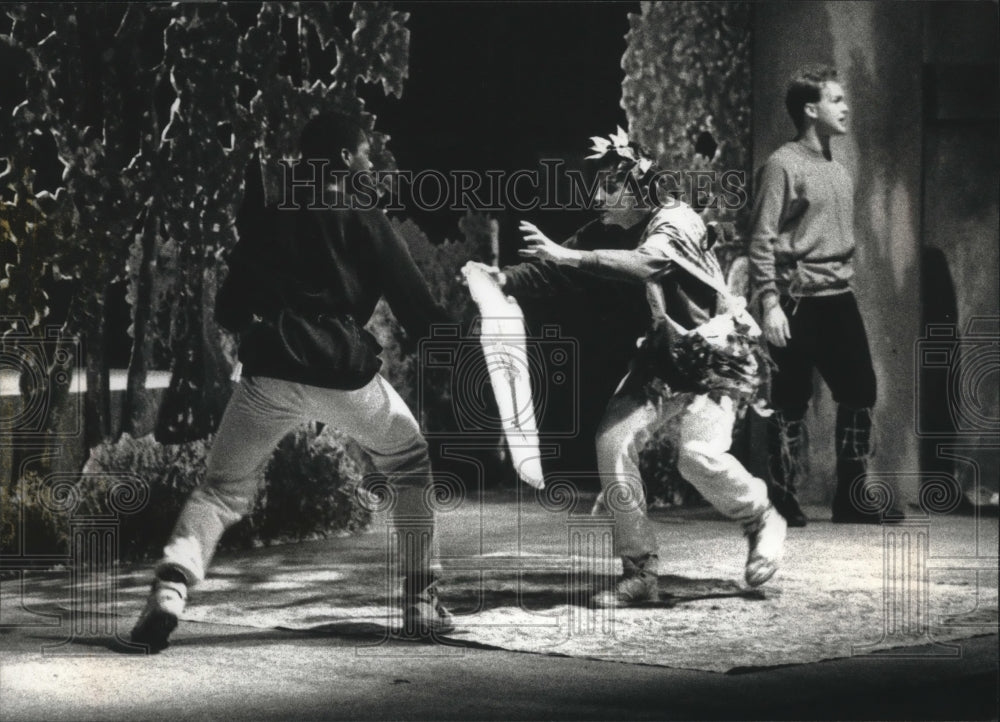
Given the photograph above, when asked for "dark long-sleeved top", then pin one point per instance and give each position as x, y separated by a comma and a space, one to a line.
321, 266
632, 255
803, 234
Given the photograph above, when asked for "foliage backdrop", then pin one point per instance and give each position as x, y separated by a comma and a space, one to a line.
687, 72
154, 112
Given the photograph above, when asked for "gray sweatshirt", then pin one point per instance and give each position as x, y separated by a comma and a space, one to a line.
803, 225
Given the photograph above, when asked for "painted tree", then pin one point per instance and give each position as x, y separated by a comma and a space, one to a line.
74, 79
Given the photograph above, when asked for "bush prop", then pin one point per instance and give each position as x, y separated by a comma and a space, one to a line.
308, 489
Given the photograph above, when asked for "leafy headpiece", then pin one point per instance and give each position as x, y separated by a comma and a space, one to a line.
633, 158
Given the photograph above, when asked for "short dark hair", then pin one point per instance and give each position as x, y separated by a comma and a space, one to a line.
326, 134
806, 86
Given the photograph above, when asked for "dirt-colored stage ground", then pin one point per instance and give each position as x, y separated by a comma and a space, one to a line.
518, 577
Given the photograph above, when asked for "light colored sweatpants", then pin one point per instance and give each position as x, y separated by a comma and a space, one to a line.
260, 413
703, 459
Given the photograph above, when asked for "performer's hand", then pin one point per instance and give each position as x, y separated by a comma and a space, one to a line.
542, 247
498, 276
776, 329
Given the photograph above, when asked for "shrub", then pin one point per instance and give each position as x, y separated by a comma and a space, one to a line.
28, 525
308, 490
687, 87
170, 471
311, 489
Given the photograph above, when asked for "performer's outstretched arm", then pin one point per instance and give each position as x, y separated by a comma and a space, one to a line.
541, 279
639, 265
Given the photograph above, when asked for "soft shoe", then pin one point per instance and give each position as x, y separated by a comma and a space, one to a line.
766, 537
425, 616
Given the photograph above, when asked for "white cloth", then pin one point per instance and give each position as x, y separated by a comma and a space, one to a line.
505, 352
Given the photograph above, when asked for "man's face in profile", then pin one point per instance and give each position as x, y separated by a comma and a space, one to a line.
831, 112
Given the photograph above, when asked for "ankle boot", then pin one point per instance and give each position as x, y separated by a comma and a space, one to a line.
857, 502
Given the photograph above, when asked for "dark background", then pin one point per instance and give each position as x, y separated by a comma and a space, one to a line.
499, 85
